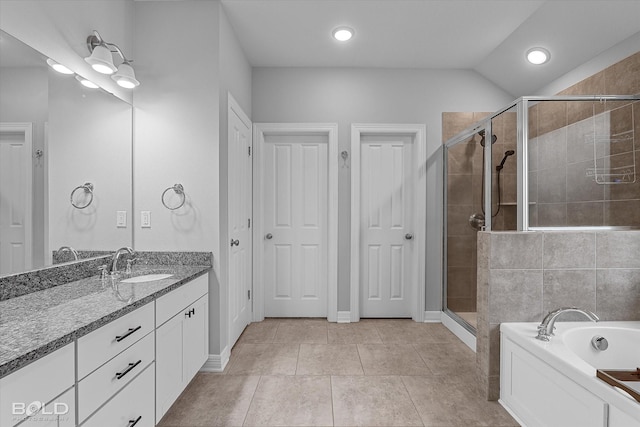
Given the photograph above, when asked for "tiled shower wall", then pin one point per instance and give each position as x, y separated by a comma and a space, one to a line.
464, 197
523, 276
587, 173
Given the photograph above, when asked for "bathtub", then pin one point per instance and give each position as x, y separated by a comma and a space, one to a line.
554, 383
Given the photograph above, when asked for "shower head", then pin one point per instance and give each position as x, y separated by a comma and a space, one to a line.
493, 138
504, 159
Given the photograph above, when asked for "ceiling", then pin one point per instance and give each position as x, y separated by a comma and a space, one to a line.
488, 36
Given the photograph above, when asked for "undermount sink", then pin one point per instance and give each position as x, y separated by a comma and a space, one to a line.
146, 278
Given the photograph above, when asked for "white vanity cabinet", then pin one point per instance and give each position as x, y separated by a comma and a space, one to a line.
133, 406
182, 340
58, 413
39, 383
126, 373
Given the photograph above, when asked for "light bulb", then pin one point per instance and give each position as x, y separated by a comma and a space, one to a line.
58, 67
343, 34
87, 83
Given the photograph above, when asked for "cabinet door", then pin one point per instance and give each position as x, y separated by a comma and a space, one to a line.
169, 364
40, 381
196, 338
58, 413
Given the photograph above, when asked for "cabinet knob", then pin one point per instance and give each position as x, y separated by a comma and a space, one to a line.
269, 236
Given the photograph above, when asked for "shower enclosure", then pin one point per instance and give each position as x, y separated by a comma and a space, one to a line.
560, 162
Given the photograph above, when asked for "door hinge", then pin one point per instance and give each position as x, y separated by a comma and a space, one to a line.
249, 150
249, 223
249, 294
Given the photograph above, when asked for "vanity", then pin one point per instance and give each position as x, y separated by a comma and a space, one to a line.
100, 351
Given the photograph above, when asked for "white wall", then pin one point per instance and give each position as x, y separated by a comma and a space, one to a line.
177, 133
353, 95
59, 30
89, 140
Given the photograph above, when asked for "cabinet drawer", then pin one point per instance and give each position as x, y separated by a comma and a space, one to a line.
111, 377
168, 305
40, 381
104, 343
134, 402
61, 412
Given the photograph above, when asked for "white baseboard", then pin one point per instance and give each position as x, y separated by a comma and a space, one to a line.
344, 317
216, 362
465, 336
432, 316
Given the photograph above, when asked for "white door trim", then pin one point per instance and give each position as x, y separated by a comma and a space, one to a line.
260, 130
25, 128
234, 108
419, 132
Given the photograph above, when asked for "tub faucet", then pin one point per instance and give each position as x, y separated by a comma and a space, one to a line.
113, 265
545, 329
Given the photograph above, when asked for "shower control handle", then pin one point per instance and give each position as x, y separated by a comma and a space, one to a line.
408, 236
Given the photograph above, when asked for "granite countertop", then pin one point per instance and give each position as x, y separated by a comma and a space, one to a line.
38, 323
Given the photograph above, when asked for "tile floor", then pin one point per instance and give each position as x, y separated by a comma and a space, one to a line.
308, 372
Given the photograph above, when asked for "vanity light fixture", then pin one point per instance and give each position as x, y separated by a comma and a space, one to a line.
538, 55
125, 76
86, 83
58, 67
101, 60
343, 34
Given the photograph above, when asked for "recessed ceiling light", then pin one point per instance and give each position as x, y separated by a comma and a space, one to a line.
538, 55
58, 67
343, 34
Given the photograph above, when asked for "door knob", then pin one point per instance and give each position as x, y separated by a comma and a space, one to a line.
408, 236
268, 236
235, 242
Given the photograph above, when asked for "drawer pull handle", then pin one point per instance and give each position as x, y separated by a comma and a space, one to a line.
126, 371
134, 422
129, 332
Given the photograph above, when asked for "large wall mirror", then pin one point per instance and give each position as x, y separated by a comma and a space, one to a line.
65, 163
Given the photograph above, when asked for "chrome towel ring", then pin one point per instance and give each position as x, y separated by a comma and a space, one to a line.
179, 190
88, 189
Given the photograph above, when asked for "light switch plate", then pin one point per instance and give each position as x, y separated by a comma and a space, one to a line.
121, 219
145, 219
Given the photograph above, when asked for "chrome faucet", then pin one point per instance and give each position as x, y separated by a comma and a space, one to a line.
113, 265
70, 249
545, 329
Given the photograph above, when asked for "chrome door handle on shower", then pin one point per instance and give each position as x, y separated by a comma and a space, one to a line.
268, 236
408, 236
235, 242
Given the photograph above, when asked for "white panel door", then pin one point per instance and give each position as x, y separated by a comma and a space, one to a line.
239, 211
15, 198
295, 225
386, 226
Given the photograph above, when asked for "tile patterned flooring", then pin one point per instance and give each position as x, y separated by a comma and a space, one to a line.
309, 372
